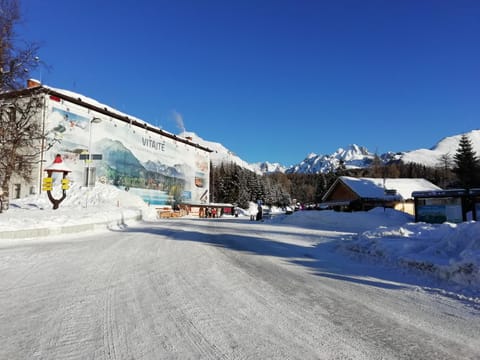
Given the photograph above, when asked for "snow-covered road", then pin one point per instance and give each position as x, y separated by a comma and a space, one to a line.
219, 289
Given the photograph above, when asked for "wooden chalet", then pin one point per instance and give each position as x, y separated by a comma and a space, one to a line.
362, 194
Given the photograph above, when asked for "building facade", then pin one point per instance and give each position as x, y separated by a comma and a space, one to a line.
99, 143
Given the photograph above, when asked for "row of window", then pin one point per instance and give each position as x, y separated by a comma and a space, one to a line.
17, 191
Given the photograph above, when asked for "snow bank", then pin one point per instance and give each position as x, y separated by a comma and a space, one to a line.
345, 221
101, 203
447, 251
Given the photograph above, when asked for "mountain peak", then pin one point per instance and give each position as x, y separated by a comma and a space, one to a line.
352, 152
353, 156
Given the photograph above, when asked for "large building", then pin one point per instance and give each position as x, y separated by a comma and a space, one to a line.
129, 153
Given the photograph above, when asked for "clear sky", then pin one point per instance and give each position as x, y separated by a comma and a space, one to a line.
272, 80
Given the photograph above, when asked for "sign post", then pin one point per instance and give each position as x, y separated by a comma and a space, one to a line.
47, 184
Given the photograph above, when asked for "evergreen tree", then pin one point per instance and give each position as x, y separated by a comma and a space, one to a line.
466, 163
231, 183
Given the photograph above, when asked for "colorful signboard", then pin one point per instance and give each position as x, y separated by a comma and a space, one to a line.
161, 169
439, 210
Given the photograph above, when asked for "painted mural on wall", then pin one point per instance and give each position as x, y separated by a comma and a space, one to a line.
161, 170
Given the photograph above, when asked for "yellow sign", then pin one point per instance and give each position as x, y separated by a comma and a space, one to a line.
65, 184
47, 184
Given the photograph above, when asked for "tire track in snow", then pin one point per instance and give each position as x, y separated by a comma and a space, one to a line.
248, 310
110, 332
187, 320
368, 325
198, 291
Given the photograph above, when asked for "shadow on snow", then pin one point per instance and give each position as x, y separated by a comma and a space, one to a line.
323, 258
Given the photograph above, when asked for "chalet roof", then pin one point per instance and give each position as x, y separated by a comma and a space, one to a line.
375, 188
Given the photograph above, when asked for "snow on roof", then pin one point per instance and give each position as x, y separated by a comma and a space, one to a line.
91, 101
102, 107
375, 187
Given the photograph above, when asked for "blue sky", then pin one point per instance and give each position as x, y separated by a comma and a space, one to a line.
272, 80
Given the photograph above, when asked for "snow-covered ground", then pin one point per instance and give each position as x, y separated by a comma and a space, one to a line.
310, 285
449, 252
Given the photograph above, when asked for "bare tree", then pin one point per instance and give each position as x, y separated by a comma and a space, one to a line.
20, 140
20, 130
377, 168
445, 163
17, 57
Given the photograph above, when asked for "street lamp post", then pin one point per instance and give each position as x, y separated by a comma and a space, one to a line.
88, 177
212, 187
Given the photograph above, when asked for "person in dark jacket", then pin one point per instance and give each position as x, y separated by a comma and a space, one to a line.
259, 213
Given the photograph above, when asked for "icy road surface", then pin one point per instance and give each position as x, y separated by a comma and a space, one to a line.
219, 289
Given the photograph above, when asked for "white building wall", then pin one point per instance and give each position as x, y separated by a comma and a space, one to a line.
158, 168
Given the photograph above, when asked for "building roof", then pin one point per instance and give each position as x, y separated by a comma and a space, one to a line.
99, 108
375, 188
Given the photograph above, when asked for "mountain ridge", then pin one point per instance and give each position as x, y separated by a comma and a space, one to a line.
352, 157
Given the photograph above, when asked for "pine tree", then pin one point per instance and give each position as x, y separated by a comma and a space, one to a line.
466, 163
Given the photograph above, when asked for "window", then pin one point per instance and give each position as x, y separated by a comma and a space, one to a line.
17, 191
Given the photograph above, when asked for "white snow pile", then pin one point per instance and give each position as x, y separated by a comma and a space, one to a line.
82, 205
444, 251
349, 222
448, 251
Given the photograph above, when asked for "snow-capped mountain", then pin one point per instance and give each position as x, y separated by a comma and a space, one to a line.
448, 145
267, 167
359, 157
353, 156
220, 153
